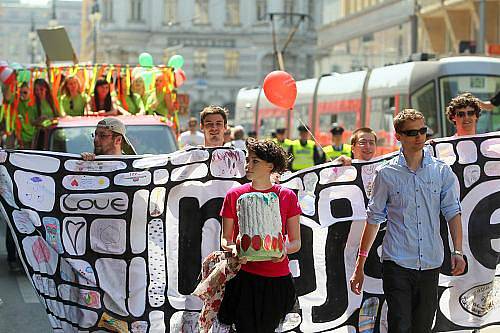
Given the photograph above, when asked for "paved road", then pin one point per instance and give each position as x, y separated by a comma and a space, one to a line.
20, 309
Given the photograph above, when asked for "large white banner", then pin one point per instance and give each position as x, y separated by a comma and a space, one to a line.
117, 244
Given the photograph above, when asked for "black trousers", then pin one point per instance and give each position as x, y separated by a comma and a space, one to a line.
10, 245
412, 298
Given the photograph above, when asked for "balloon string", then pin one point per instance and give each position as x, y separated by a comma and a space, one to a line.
312, 135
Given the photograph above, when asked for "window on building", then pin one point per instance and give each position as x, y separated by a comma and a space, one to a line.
289, 10
232, 63
169, 11
232, 12
136, 10
107, 10
261, 9
200, 63
201, 12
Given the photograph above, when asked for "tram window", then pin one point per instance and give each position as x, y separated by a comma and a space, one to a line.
381, 113
481, 86
424, 100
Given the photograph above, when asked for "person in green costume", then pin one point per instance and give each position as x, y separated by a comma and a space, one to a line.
159, 102
102, 103
45, 108
131, 102
27, 115
73, 101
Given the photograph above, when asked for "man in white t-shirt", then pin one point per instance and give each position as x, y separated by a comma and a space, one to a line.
191, 137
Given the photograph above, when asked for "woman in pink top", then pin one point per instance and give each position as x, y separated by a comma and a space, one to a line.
262, 293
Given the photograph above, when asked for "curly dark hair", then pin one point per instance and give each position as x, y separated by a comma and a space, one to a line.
270, 152
461, 102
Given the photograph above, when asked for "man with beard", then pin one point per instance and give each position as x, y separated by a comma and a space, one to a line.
109, 139
213, 124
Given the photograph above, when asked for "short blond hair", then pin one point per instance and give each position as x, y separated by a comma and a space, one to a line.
404, 115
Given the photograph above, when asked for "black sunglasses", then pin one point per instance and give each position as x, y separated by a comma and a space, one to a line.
414, 132
462, 114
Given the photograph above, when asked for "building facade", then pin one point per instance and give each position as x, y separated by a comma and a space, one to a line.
226, 44
358, 34
19, 21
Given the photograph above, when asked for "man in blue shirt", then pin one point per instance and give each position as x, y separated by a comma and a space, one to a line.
409, 191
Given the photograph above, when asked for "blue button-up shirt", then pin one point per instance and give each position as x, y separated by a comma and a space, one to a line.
410, 201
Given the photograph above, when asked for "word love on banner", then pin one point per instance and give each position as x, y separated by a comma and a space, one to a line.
117, 244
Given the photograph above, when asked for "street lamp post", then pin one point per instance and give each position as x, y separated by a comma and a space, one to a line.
32, 39
95, 18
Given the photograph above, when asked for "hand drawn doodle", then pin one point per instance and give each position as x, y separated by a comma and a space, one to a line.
151, 162
114, 325
40, 256
367, 175
53, 233
227, 163
44, 285
25, 220
471, 174
94, 166
307, 198
157, 201
157, 320
137, 286
156, 260
77, 271
491, 148
74, 235
337, 174
88, 298
108, 236
139, 327
35, 191
444, 151
85, 182
3, 156
492, 168
76, 315
133, 178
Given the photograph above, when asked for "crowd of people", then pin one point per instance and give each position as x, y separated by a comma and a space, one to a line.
401, 188
38, 103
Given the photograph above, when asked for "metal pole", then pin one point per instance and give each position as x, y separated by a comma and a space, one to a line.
414, 27
95, 41
482, 26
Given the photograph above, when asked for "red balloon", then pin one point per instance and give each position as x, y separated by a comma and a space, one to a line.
7, 76
280, 89
180, 77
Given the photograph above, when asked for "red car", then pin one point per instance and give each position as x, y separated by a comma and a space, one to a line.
148, 134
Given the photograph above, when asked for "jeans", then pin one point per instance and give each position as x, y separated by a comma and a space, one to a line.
412, 298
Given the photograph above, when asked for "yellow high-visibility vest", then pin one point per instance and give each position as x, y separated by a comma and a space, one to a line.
332, 154
303, 156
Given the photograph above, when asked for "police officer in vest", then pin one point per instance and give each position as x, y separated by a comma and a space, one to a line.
281, 140
304, 152
337, 148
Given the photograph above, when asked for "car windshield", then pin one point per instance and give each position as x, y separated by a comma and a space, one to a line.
146, 139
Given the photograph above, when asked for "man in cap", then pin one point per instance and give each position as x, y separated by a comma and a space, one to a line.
109, 139
337, 148
304, 151
281, 139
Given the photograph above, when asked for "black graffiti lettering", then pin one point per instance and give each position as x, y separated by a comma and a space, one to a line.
192, 218
84, 204
306, 282
481, 232
336, 285
80, 204
118, 204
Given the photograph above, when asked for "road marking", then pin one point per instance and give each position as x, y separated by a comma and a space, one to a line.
26, 289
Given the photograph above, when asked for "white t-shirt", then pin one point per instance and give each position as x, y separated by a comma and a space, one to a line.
188, 139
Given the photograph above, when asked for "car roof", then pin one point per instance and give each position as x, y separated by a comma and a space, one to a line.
82, 121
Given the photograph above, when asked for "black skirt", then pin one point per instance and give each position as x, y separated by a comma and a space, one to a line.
256, 303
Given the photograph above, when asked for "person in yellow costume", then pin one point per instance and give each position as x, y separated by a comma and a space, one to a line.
131, 102
337, 148
305, 152
73, 101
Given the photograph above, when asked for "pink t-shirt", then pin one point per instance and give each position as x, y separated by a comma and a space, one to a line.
289, 207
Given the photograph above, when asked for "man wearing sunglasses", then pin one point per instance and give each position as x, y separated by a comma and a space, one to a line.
409, 192
109, 139
464, 111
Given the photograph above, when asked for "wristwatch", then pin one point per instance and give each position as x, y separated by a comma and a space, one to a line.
457, 253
